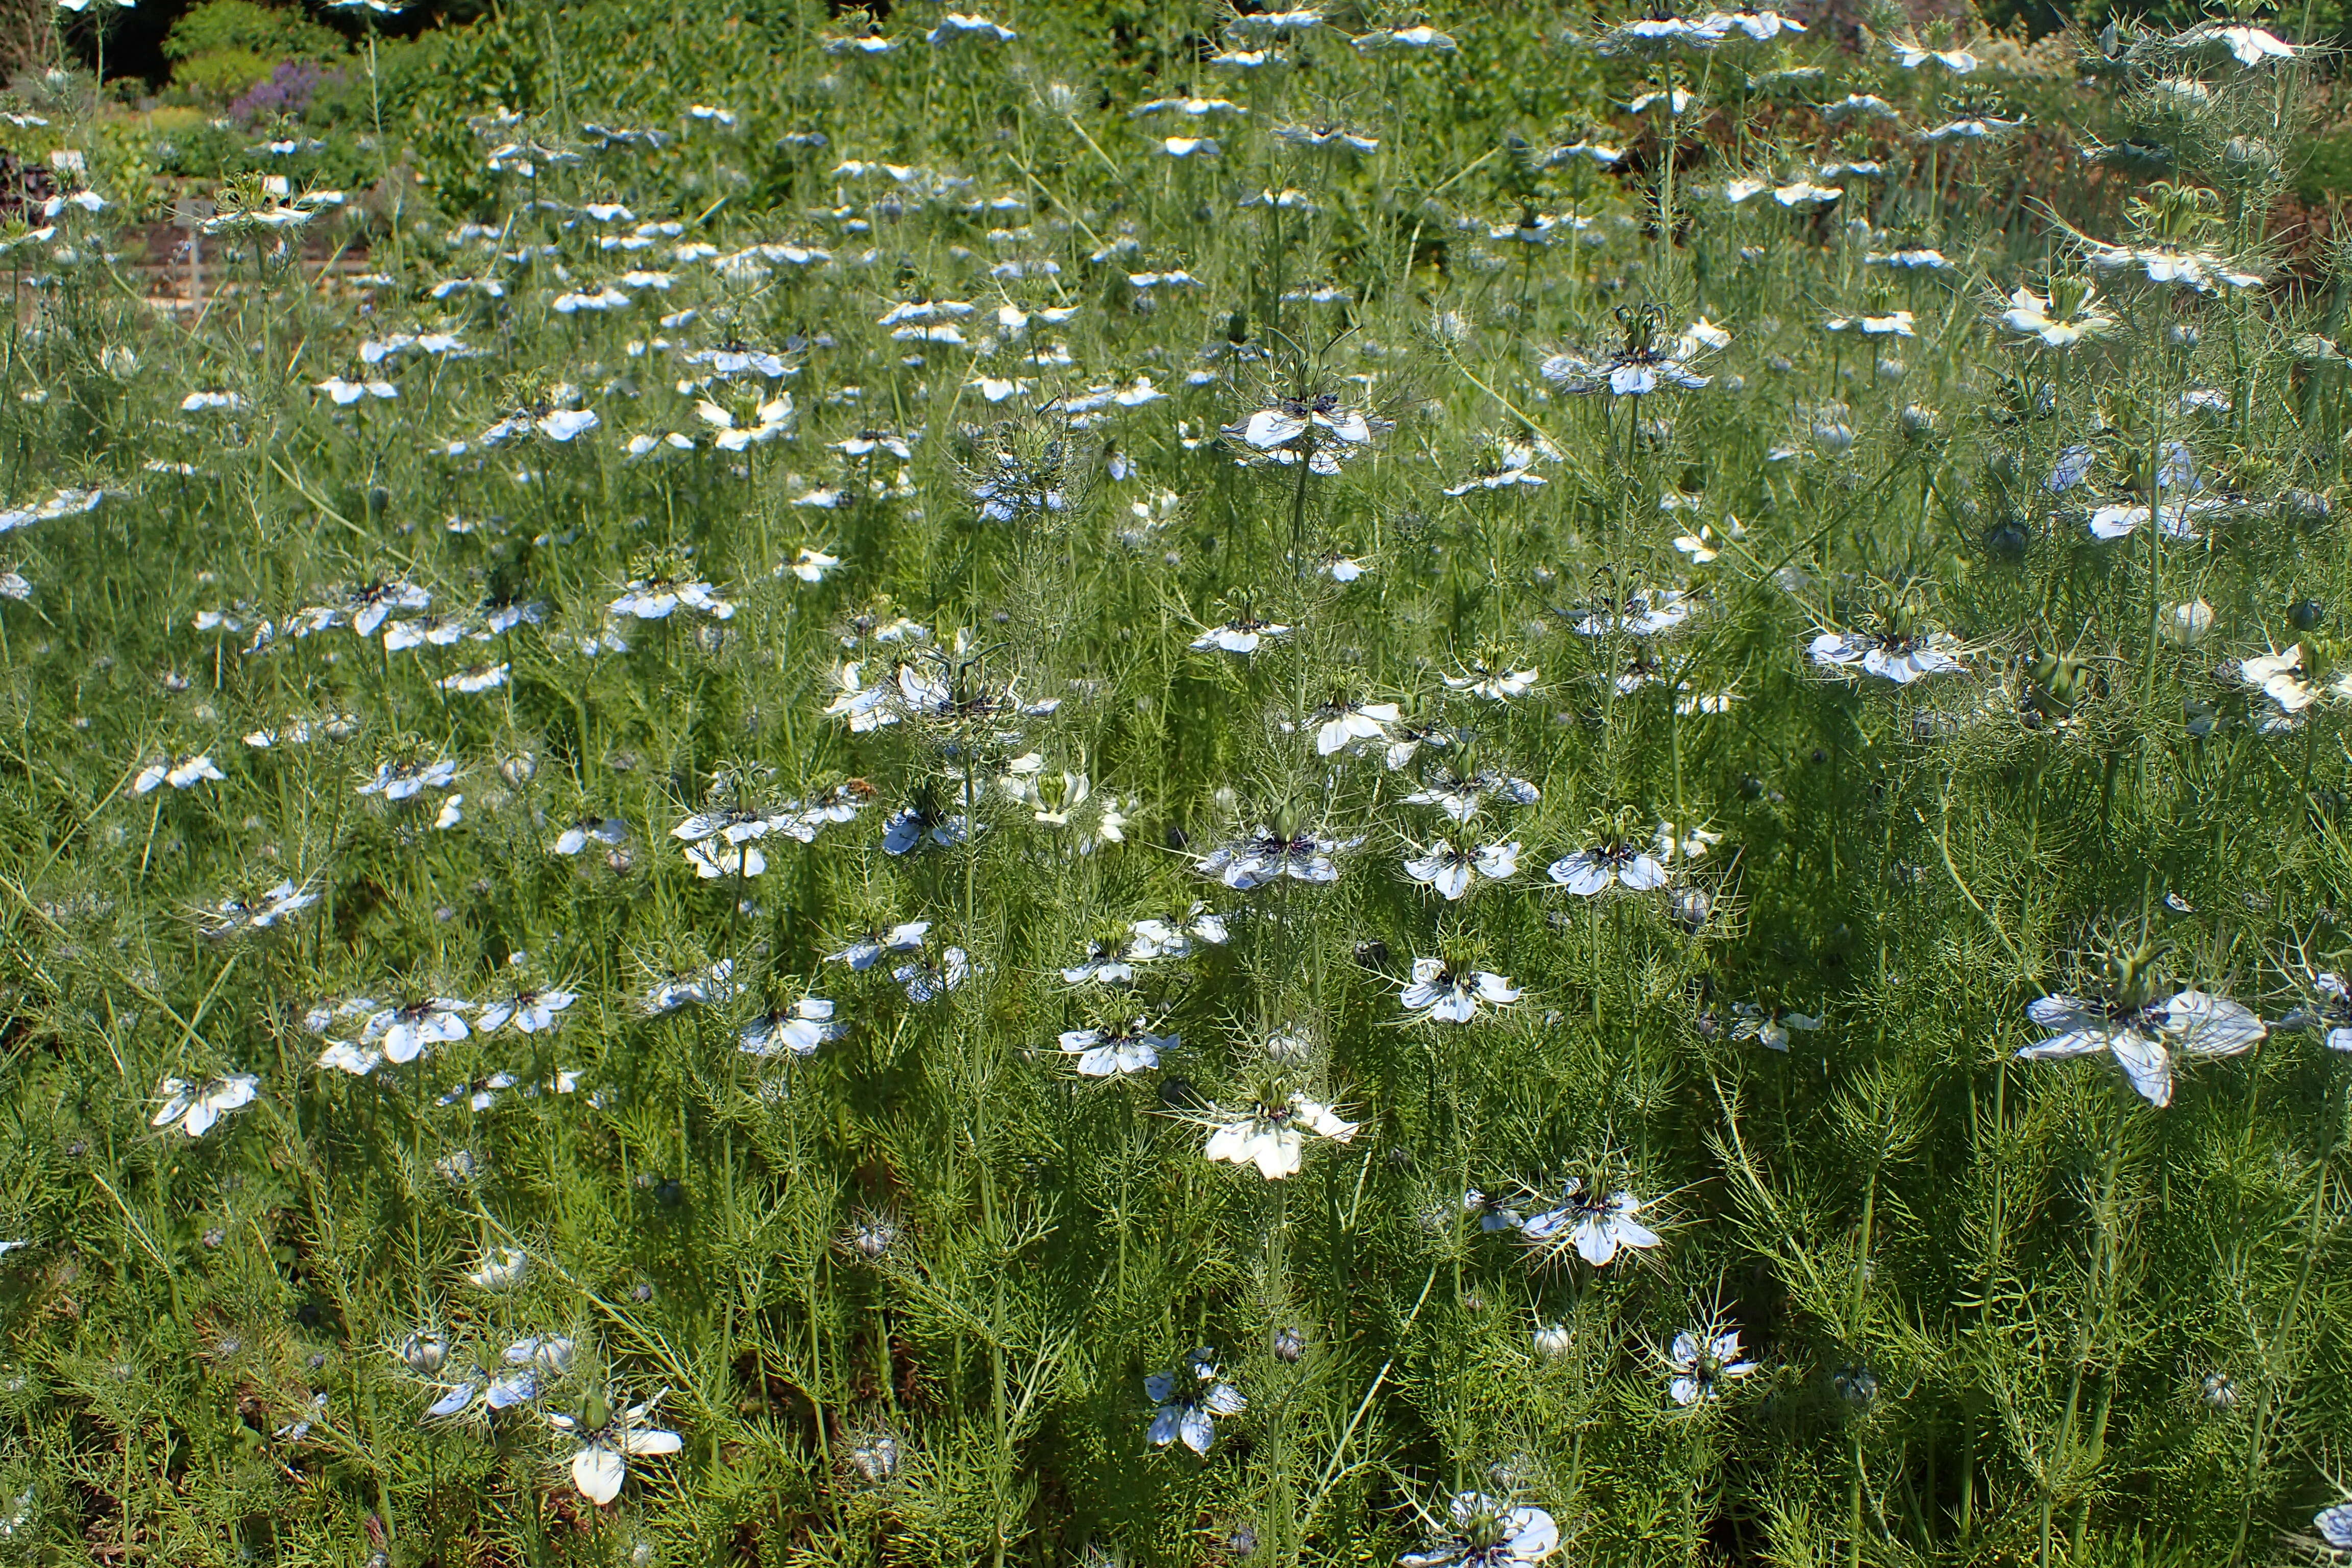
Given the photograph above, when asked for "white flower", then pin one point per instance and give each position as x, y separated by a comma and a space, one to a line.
1188, 1395
1645, 362
1494, 686
2287, 680
2143, 1038
810, 565
1615, 861
343, 394
258, 913
1597, 1227
927, 982
1899, 656
1273, 1137
1173, 937
955, 25
1702, 1361
2335, 1011
1642, 612
195, 1106
1705, 545
1461, 798
677, 991
205, 402
1769, 1030
607, 830
185, 772
1240, 635
2250, 46
1345, 721
404, 1032
912, 826
866, 950
1267, 855
1488, 1532
653, 599
500, 1268
1911, 57
2058, 326
800, 1029
1115, 1052
1418, 37
2197, 270
1450, 866
397, 781
530, 1012
600, 1454
1895, 324
2334, 1526
1442, 993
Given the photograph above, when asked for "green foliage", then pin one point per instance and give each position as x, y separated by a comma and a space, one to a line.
631, 693
272, 33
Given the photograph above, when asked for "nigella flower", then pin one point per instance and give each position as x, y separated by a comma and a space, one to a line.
1493, 1214
1642, 612
1450, 866
500, 1268
605, 1438
1972, 129
194, 1106
1894, 324
1443, 992
1462, 798
1510, 466
1619, 859
1654, 36
2333, 1011
1117, 1050
405, 1031
399, 780
1479, 680
2247, 46
607, 830
1646, 362
2289, 680
956, 25
1243, 634
1481, 1532
1269, 855
234, 915
1703, 1360
922, 824
1769, 1030
1189, 1394
653, 598
2334, 1526
1272, 1133
2142, 1034
864, 951
1911, 56
1596, 1225
673, 992
927, 982
800, 1029
532, 1011
1173, 936
1316, 429
182, 772
1344, 721
2068, 314
1895, 646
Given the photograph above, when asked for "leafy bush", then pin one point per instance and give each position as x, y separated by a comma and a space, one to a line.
1028, 797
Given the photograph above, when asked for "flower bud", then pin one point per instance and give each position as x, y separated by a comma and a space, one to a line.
2185, 625
1550, 1340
